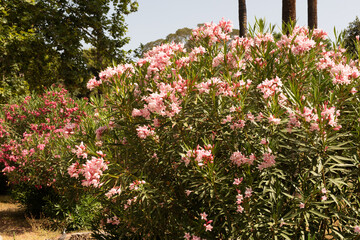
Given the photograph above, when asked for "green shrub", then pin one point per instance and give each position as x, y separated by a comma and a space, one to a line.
36, 134
236, 139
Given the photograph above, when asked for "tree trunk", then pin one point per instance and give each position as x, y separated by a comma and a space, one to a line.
312, 14
288, 13
242, 18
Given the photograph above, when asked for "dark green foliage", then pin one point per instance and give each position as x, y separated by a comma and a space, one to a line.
41, 40
3, 182
350, 41
32, 198
73, 210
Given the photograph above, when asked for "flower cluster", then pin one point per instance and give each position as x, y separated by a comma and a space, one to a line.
239, 159
202, 156
30, 129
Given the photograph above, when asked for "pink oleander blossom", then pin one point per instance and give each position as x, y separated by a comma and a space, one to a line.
113, 191
73, 170
41, 146
187, 236
237, 181
92, 170
144, 131
273, 120
268, 161
80, 151
93, 83
248, 192
239, 159
203, 216
270, 87
213, 33
135, 185
114, 220
202, 156
100, 132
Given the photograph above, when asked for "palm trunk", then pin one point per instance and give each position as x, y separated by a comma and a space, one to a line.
242, 18
312, 14
288, 13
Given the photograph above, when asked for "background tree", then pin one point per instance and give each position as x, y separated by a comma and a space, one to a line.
14, 42
242, 18
312, 14
288, 13
350, 42
59, 28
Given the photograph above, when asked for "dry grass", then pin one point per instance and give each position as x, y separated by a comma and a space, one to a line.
14, 225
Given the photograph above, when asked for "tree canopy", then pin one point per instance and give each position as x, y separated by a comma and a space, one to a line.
350, 34
42, 40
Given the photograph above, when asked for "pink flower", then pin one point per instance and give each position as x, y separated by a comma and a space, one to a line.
237, 181
69, 128
80, 151
323, 190
270, 87
113, 191
263, 141
114, 220
93, 83
239, 198
100, 131
239, 124
248, 192
274, 120
250, 117
135, 185
357, 229
187, 192
324, 198
41, 146
227, 119
92, 171
144, 131
301, 205
156, 122
208, 226
240, 209
187, 236
353, 90
73, 171
269, 161
238, 158
203, 216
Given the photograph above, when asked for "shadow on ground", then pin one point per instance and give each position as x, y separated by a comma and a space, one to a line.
12, 219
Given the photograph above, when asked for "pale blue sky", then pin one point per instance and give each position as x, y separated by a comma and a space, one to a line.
157, 18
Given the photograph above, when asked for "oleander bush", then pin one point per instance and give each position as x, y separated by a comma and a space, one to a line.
244, 138
36, 135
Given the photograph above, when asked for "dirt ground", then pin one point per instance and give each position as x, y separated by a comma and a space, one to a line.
14, 225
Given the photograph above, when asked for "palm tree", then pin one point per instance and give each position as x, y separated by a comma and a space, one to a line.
242, 18
312, 14
288, 13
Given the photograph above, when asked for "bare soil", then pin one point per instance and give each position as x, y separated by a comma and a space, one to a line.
14, 225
